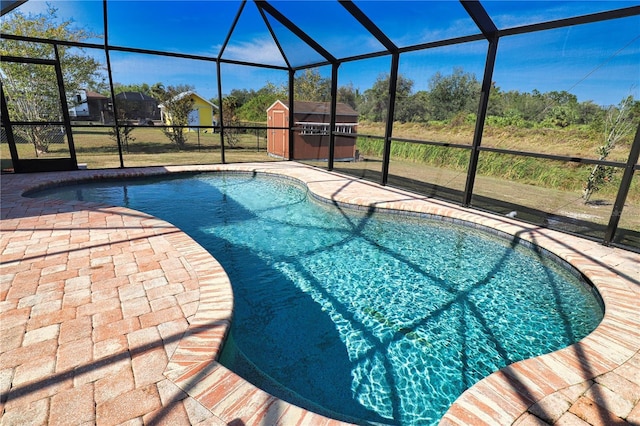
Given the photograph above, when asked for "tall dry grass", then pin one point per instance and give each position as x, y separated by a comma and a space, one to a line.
562, 175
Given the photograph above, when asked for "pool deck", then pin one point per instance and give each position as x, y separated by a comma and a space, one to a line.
110, 316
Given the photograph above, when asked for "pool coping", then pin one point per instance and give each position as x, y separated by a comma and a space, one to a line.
541, 386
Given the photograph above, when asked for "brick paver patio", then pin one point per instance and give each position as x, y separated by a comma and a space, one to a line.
110, 316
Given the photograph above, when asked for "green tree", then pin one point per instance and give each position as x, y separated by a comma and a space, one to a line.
177, 105
255, 108
243, 96
348, 95
561, 109
561, 98
375, 101
230, 120
529, 106
588, 113
561, 116
405, 108
311, 86
496, 106
143, 88
33, 89
453, 94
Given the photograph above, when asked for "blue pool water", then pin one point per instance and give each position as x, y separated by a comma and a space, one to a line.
362, 316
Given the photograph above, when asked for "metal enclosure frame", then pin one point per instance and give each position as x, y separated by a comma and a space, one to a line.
41, 164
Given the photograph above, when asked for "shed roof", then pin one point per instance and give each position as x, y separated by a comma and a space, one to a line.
320, 108
95, 95
191, 93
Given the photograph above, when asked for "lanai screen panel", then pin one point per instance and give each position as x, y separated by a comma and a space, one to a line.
251, 40
85, 17
509, 14
409, 23
298, 52
186, 27
330, 25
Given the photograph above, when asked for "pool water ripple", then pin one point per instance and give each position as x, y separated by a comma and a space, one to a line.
368, 317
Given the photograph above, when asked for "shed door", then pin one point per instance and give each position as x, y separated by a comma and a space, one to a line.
280, 135
194, 119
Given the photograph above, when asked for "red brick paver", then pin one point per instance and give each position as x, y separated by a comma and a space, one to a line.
110, 316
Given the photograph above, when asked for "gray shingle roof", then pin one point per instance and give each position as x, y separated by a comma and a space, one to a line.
323, 108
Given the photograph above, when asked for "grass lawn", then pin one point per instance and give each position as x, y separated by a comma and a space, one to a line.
148, 147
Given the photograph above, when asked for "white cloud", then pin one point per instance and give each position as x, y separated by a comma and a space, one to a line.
259, 50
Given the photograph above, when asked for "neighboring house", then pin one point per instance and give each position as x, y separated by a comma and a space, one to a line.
137, 106
311, 130
90, 106
201, 115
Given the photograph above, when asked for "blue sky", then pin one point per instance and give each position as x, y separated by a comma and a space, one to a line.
598, 62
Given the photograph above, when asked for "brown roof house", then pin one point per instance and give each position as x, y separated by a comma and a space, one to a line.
91, 106
311, 131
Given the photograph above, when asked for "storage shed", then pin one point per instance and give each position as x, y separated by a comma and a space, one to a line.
311, 130
201, 114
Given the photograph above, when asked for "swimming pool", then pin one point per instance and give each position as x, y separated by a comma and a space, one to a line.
395, 333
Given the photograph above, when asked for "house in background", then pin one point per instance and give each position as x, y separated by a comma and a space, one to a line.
137, 106
90, 106
311, 130
201, 114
